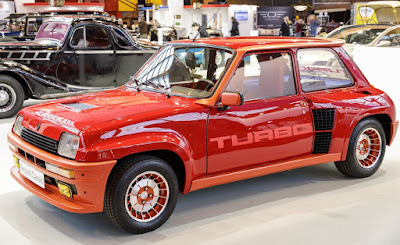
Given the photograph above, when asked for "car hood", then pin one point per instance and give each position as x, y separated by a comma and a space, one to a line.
81, 112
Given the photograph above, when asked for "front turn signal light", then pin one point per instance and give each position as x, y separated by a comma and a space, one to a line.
68, 173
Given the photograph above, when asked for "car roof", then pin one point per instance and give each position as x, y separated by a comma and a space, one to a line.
260, 42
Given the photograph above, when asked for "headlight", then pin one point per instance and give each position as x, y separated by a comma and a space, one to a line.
18, 125
68, 145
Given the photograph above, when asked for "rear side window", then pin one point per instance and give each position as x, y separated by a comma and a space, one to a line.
120, 38
322, 69
90, 36
261, 76
97, 37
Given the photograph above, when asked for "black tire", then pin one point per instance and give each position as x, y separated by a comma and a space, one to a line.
353, 166
11, 96
123, 177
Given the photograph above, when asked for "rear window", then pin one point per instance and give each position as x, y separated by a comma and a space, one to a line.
322, 69
53, 30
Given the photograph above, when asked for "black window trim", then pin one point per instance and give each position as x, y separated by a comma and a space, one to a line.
340, 61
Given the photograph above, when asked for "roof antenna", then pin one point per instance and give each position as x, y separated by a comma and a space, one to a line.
215, 14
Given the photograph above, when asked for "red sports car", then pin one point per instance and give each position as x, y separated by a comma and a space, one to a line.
199, 114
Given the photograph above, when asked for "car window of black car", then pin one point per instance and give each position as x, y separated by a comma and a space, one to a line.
91, 37
121, 38
96, 37
78, 38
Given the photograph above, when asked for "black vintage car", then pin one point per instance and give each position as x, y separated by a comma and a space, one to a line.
68, 56
24, 27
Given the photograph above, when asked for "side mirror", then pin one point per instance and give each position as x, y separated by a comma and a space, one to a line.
383, 43
230, 99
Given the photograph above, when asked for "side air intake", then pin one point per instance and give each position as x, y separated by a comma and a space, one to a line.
323, 119
322, 142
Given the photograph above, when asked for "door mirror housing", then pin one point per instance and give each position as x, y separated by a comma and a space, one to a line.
231, 99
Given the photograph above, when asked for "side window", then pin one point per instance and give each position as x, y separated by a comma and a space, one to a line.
322, 69
78, 39
392, 39
90, 36
120, 37
96, 37
264, 76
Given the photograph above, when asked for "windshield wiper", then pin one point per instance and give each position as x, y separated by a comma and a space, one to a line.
157, 86
137, 85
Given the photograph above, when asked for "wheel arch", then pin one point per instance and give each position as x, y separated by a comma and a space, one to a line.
383, 118
27, 89
170, 157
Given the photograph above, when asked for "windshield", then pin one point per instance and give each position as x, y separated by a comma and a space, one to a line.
357, 35
52, 31
184, 70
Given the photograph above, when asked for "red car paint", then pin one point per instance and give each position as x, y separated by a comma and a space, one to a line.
215, 147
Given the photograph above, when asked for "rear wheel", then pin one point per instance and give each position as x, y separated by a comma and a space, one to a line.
366, 150
11, 96
141, 194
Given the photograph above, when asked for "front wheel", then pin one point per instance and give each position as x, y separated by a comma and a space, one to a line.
141, 194
366, 150
11, 96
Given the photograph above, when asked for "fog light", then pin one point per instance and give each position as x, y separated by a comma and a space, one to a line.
13, 147
68, 173
64, 189
16, 161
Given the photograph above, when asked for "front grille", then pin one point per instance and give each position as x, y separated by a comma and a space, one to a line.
323, 119
40, 141
322, 142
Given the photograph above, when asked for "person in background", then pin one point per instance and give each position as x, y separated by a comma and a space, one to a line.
143, 28
203, 31
285, 27
299, 28
314, 24
235, 27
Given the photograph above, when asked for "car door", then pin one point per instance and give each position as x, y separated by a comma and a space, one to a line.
274, 122
89, 59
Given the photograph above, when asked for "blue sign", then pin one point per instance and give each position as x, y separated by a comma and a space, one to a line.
241, 15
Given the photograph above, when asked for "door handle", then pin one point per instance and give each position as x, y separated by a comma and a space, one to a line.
303, 104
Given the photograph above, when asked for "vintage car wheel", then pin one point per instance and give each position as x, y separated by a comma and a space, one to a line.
141, 194
366, 150
11, 96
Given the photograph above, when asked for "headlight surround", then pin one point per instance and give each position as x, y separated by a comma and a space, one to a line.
17, 128
68, 145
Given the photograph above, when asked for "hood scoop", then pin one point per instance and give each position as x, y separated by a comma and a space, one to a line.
78, 107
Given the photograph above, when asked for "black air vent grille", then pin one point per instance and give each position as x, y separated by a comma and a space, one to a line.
323, 119
322, 142
40, 141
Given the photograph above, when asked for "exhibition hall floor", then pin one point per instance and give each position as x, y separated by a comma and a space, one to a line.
312, 205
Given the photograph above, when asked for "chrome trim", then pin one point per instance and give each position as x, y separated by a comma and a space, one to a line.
135, 51
23, 53
90, 52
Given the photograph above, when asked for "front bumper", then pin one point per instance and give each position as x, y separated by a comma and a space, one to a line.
394, 127
90, 178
